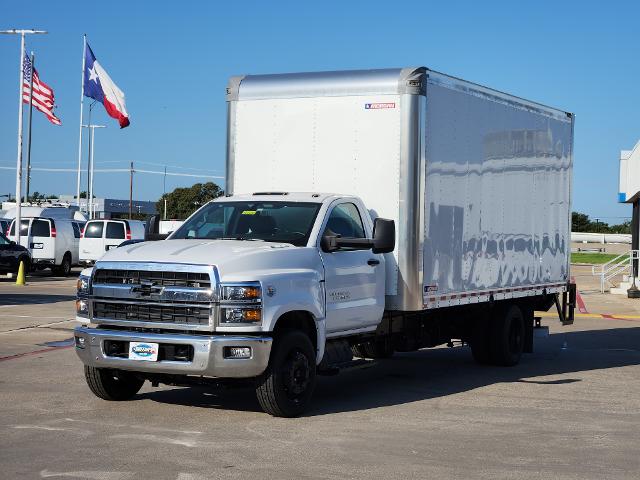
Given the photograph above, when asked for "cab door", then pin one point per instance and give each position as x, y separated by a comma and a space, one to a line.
354, 279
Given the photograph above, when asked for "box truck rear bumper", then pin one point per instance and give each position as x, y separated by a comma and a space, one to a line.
209, 356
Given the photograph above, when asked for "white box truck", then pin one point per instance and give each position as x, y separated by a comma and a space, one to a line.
367, 212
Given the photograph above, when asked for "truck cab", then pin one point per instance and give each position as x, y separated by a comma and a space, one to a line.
244, 275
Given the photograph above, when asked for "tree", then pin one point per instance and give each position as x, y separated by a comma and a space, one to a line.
182, 202
580, 222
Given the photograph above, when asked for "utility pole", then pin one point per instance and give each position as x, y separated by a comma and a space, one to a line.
18, 220
130, 190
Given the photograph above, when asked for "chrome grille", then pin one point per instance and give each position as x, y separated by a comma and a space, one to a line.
163, 278
152, 312
154, 295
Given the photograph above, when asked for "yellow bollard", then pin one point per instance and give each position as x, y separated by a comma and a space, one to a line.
20, 280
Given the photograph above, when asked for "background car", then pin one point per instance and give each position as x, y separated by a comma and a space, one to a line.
11, 254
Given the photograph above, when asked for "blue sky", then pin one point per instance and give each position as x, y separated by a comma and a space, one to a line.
173, 59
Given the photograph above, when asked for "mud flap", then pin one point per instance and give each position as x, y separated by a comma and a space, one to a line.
566, 310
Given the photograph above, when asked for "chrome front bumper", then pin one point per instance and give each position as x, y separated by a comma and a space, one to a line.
208, 353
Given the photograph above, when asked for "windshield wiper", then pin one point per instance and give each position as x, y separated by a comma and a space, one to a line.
241, 238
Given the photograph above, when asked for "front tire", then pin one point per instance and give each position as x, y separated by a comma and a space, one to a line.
113, 385
286, 387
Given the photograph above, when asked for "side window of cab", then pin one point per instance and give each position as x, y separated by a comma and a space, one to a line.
345, 221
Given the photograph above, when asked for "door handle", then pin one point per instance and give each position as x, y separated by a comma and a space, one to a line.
373, 262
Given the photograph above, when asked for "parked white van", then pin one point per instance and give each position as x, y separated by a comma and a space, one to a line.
100, 236
53, 243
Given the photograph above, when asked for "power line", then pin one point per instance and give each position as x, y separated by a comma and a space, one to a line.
120, 170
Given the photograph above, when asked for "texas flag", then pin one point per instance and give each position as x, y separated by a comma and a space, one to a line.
99, 86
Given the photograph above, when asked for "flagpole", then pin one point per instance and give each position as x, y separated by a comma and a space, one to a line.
19, 159
33, 67
18, 221
84, 50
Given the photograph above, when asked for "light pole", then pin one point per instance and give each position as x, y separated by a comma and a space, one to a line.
164, 191
92, 129
22, 33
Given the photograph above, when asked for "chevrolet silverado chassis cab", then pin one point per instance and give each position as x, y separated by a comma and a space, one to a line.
453, 223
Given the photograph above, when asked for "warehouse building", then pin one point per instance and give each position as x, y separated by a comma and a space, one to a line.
629, 192
114, 208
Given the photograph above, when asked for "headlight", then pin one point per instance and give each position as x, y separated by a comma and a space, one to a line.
246, 293
82, 307
241, 304
82, 285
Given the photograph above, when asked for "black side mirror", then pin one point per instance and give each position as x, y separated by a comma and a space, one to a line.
13, 242
152, 229
328, 243
384, 235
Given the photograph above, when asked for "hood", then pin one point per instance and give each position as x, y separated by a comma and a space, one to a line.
198, 252
236, 260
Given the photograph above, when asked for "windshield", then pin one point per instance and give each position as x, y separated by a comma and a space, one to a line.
288, 222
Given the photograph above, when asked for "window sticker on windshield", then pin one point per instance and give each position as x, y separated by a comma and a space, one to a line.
249, 212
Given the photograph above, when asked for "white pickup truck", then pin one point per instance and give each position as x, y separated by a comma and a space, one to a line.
453, 223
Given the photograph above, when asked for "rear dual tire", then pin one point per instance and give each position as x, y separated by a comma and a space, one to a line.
499, 340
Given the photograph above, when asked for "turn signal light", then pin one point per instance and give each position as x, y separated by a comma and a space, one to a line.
252, 315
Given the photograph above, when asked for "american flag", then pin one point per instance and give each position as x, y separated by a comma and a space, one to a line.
43, 98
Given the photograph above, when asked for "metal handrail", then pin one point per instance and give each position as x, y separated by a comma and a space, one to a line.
615, 266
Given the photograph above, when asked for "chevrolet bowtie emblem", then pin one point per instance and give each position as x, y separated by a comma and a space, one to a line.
147, 288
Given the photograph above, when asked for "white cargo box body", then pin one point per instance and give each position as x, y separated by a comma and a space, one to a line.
477, 181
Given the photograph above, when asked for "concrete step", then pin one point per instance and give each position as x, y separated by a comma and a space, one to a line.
622, 288
618, 290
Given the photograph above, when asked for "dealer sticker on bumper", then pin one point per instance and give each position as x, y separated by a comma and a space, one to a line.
143, 351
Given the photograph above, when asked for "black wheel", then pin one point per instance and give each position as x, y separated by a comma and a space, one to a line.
64, 269
480, 341
286, 387
507, 336
381, 348
114, 385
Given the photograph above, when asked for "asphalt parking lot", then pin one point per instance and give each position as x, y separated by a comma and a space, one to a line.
571, 410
